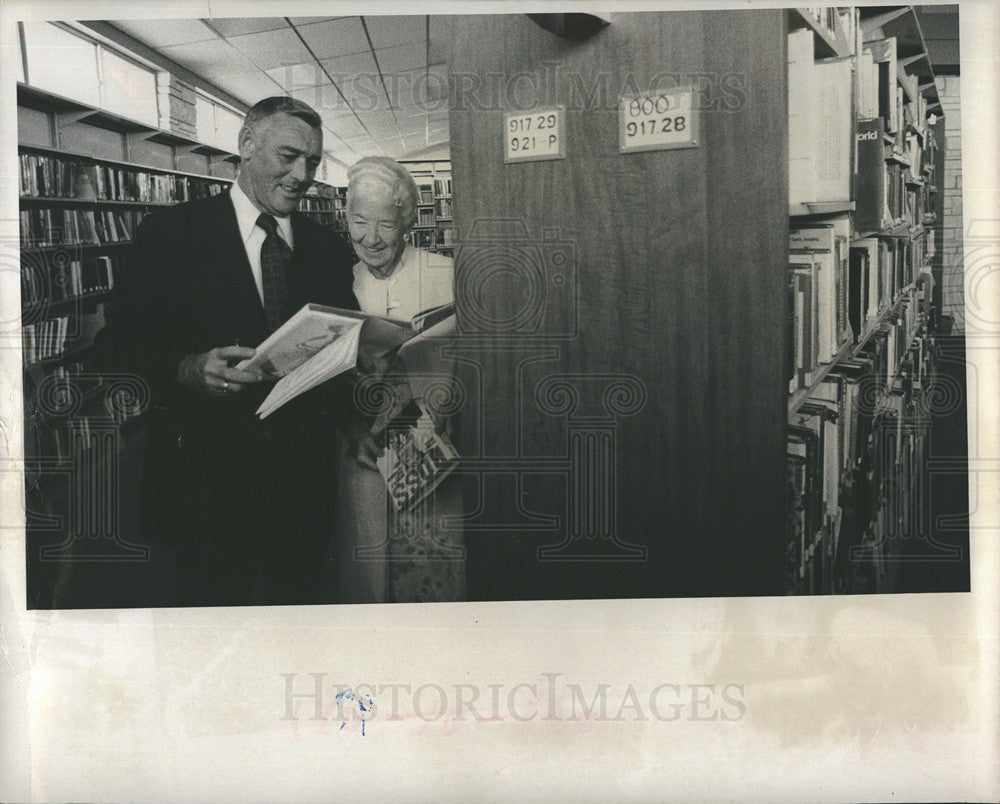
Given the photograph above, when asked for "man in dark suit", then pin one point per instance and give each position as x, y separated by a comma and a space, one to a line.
247, 503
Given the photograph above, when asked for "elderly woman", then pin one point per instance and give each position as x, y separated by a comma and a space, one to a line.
385, 555
392, 278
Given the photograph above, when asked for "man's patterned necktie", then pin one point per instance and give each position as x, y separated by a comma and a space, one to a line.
275, 256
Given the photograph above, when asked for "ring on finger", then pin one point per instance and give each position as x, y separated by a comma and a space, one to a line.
225, 385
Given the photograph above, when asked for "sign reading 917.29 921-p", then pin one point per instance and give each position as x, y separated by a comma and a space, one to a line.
654, 121
535, 135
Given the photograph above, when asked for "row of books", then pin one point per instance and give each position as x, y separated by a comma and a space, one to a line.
59, 177
442, 187
837, 290
45, 339
444, 208
58, 226
840, 112
68, 374
432, 240
426, 193
48, 176
313, 203
836, 22
888, 192
425, 217
843, 446
888, 92
73, 380
423, 239
67, 280
818, 297
881, 269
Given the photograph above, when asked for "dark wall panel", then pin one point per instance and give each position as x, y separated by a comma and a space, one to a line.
649, 280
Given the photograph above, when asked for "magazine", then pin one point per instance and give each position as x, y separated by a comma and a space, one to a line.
415, 457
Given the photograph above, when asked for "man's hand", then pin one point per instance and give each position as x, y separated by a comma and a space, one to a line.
212, 372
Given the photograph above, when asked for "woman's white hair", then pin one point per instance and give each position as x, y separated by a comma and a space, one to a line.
381, 170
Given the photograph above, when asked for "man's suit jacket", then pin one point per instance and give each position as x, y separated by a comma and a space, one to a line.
214, 472
188, 288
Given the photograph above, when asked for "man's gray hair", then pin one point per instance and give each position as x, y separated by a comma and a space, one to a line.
389, 172
282, 104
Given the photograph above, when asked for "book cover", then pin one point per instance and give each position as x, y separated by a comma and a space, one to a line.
416, 457
869, 211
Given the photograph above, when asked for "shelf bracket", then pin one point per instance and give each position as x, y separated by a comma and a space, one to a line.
925, 87
214, 160
912, 59
64, 119
133, 137
879, 20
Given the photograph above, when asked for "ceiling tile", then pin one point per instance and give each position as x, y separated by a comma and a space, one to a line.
402, 59
336, 37
166, 32
208, 58
323, 98
389, 31
411, 127
249, 85
379, 121
311, 20
421, 90
270, 49
442, 36
298, 76
369, 149
238, 26
347, 128
344, 154
356, 64
317, 96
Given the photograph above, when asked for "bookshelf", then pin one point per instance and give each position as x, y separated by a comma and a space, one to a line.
435, 211
327, 205
860, 340
77, 211
87, 178
762, 462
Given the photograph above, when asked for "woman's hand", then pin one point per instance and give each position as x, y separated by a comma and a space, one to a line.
361, 444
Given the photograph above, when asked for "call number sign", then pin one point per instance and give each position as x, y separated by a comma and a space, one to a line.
657, 120
530, 136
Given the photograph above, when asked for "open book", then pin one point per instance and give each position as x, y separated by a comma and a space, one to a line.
319, 343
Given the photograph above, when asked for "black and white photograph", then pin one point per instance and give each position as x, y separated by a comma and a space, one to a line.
702, 328
555, 310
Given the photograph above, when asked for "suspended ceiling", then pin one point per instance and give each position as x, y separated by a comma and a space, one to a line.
379, 82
